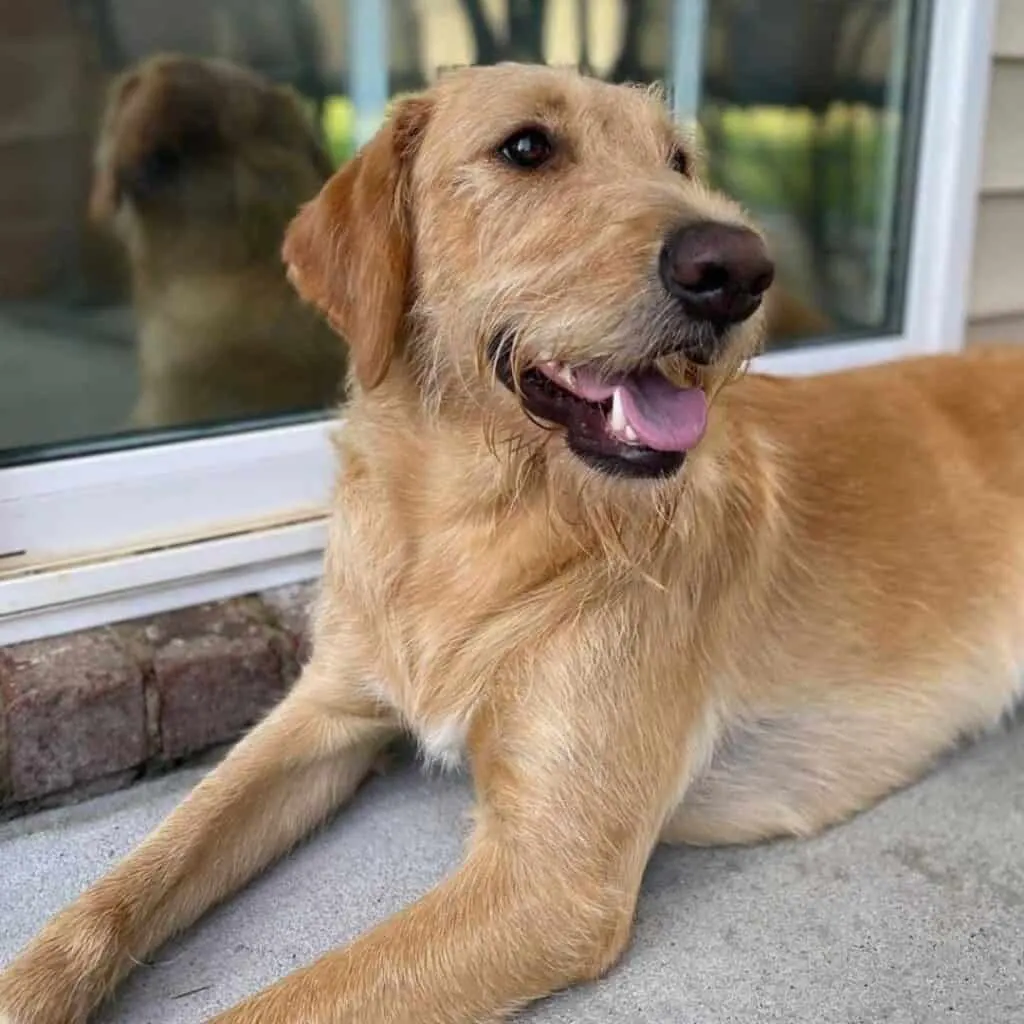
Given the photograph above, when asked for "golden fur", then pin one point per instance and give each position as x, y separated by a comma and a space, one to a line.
200, 165
826, 597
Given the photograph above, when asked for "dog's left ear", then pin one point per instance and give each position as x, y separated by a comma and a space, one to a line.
348, 250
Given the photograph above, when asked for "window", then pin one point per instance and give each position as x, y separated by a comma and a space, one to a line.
164, 398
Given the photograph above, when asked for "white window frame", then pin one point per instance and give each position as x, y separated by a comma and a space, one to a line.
112, 536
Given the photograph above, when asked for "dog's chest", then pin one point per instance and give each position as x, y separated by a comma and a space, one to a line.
443, 742
447, 589
441, 737
441, 618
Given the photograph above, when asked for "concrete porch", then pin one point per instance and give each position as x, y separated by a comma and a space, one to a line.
911, 914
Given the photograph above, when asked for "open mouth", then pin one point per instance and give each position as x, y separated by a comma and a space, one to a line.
636, 424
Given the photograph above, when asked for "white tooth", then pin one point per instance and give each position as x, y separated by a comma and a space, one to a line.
630, 434
617, 420
567, 376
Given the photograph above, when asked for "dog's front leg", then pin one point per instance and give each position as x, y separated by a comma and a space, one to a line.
305, 758
504, 930
573, 789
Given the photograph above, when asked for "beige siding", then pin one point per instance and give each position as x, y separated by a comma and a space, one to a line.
1003, 165
997, 274
997, 279
1009, 41
999, 330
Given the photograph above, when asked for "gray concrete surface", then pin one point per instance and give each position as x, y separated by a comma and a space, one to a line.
911, 914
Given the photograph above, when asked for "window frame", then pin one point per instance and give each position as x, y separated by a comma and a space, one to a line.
99, 538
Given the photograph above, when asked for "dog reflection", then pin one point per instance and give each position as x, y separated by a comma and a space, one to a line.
789, 318
199, 166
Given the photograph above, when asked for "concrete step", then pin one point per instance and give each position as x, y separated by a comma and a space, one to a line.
911, 914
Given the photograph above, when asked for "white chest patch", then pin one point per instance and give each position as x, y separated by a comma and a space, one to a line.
444, 743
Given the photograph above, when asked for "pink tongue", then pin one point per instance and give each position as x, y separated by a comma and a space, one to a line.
666, 418
663, 416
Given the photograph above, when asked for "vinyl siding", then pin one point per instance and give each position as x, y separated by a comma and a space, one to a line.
996, 309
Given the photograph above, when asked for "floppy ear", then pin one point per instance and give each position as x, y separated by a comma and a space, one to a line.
348, 250
104, 194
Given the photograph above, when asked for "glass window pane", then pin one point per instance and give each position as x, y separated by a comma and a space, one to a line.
809, 116
141, 292
154, 152
807, 113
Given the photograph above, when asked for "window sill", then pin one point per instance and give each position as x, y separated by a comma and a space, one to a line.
76, 597
65, 593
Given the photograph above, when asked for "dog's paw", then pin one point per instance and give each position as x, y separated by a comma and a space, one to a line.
35, 990
63, 974
35, 1008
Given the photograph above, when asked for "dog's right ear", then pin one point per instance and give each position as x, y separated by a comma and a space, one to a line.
348, 250
104, 194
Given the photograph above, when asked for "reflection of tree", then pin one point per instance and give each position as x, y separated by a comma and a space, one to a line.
628, 66
524, 40
809, 55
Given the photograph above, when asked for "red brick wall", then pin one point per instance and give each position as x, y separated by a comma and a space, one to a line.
93, 711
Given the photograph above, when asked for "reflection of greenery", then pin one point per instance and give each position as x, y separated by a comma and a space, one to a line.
761, 155
765, 156
338, 124
339, 128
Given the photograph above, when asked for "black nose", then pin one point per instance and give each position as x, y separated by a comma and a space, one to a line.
718, 272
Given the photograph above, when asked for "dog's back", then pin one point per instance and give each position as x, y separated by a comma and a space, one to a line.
887, 619
983, 399
910, 472
965, 411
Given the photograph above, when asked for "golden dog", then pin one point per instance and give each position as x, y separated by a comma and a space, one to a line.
647, 605
200, 165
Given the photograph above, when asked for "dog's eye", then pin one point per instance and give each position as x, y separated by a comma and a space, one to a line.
679, 162
528, 149
162, 164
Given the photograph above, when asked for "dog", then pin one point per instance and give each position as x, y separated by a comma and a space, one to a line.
648, 597
789, 316
199, 167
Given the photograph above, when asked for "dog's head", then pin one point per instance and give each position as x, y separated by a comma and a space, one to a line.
205, 155
535, 244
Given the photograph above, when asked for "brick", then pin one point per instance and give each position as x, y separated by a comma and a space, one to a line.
75, 712
5, 755
291, 608
69, 797
216, 670
93, 710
